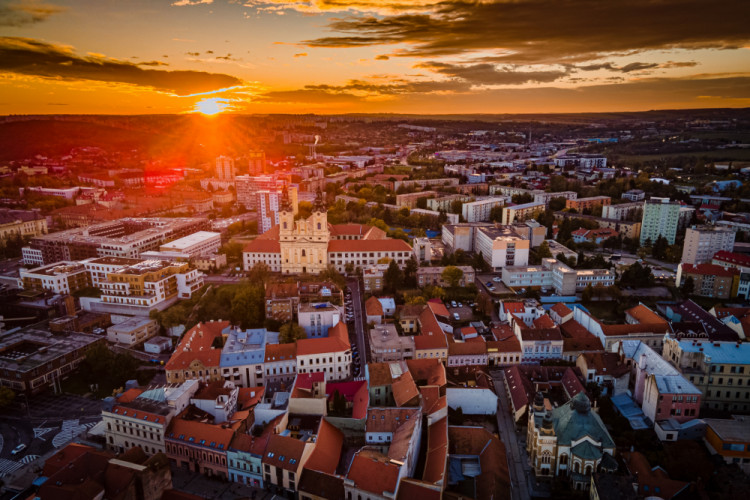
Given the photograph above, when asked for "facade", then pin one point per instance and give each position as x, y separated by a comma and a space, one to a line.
710, 280
198, 446
721, 370
282, 300
434, 276
225, 168
317, 318
140, 417
268, 204
570, 440
194, 245
634, 195
373, 277
63, 278
132, 331
581, 204
501, 247
409, 200
331, 355
623, 211
519, 213
22, 223
280, 364
702, 242
196, 356
729, 438
283, 461
544, 197
243, 355
661, 217
478, 211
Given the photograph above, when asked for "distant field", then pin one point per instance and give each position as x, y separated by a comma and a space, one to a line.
720, 155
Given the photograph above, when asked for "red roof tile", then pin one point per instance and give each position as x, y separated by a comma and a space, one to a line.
544, 321
325, 457
643, 314
280, 352
372, 471
259, 245
373, 307
385, 245
561, 309
710, 269
284, 452
196, 344
404, 390
437, 451
733, 258
428, 371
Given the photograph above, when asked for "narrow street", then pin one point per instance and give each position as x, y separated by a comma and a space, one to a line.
364, 351
519, 470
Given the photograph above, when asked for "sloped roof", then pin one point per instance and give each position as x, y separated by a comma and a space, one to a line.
325, 457
466, 348
322, 485
494, 481
368, 245
437, 452
643, 314
372, 471
432, 371
710, 270
373, 307
404, 389
650, 478
561, 309
284, 452
196, 345
280, 352
438, 308
259, 245
544, 321
575, 419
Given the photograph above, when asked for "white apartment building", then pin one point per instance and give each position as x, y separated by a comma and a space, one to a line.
267, 203
519, 213
63, 278
594, 277
501, 248
661, 217
194, 245
621, 211
132, 331
318, 318
479, 211
544, 197
702, 243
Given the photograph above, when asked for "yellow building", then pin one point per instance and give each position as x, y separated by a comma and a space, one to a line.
304, 243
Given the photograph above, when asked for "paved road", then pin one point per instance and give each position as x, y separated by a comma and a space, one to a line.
359, 319
516, 456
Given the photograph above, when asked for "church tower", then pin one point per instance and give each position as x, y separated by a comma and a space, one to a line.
304, 242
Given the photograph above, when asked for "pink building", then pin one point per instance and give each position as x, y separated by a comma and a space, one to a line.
199, 447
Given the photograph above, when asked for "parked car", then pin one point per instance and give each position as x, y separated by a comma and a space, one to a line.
496, 279
489, 284
460, 304
456, 317
18, 449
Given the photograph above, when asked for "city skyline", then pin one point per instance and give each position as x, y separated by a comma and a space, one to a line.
350, 56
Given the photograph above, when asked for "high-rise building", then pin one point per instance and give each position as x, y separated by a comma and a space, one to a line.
256, 162
268, 204
660, 218
702, 242
224, 168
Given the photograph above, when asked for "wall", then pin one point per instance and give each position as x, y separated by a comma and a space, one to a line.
472, 401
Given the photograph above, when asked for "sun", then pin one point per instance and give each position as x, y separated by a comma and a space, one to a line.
211, 106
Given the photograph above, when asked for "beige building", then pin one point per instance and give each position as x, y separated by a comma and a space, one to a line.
386, 345
303, 243
710, 280
62, 277
519, 213
721, 370
702, 242
590, 203
434, 276
373, 277
22, 223
409, 200
132, 331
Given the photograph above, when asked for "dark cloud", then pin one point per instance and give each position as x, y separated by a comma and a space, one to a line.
209, 52
382, 57
152, 63
194, 54
550, 31
489, 74
27, 56
636, 66
21, 13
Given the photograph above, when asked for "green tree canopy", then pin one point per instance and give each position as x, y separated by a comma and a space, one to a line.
290, 332
452, 275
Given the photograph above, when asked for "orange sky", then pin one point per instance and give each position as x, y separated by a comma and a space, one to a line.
341, 56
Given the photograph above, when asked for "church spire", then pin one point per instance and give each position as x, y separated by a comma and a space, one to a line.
319, 205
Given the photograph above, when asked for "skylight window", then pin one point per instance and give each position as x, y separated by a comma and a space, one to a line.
270, 454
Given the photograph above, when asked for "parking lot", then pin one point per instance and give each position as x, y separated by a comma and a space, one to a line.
464, 313
483, 282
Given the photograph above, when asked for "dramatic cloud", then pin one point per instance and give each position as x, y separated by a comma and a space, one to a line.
489, 74
636, 66
24, 12
321, 6
26, 56
548, 31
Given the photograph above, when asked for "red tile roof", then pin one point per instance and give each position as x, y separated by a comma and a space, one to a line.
651, 478
508, 345
466, 349
544, 321
437, 451
373, 472
438, 308
502, 332
710, 269
561, 309
513, 307
196, 345
325, 457
494, 481
139, 414
733, 258
431, 371
197, 433
413, 489
280, 352
404, 390
385, 245
430, 342
259, 245
643, 314
337, 341
373, 307
284, 452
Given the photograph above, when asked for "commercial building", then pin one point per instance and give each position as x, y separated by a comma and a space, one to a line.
132, 331
519, 213
194, 245
479, 211
702, 242
140, 417
127, 237
434, 276
581, 204
661, 217
721, 370
32, 359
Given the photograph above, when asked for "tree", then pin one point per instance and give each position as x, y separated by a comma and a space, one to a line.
587, 293
452, 275
478, 263
659, 250
6, 396
410, 272
249, 306
332, 274
392, 278
233, 250
338, 404
496, 214
688, 286
557, 204
456, 206
543, 252
290, 332
259, 273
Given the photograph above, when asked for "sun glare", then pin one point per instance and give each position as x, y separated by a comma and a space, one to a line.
212, 106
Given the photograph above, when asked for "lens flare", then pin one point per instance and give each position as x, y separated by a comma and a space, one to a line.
211, 106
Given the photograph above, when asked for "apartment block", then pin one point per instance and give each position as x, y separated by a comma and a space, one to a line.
434, 276
702, 242
501, 247
387, 345
479, 211
194, 245
132, 331
63, 278
661, 217
519, 213
710, 280
544, 197
409, 200
581, 204
267, 204
624, 211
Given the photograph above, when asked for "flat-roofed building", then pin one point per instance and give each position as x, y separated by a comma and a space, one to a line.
730, 439
373, 277
132, 331
501, 247
703, 242
63, 278
544, 197
624, 211
479, 211
710, 280
387, 345
519, 213
409, 200
581, 204
194, 245
594, 277
660, 218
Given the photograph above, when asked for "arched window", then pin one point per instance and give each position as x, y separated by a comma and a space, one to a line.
563, 459
303, 252
577, 467
546, 457
588, 470
319, 226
